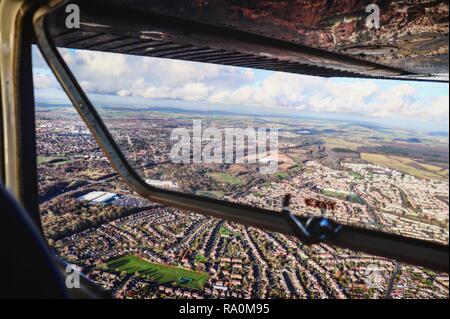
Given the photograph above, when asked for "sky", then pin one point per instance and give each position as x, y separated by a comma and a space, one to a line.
133, 81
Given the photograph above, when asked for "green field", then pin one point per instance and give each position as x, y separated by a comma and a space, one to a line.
356, 175
159, 273
213, 194
225, 231
52, 160
344, 196
226, 178
406, 165
200, 259
281, 175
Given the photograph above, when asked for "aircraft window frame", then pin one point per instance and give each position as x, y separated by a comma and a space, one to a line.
404, 249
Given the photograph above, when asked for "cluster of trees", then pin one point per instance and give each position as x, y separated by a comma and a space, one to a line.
50, 189
66, 216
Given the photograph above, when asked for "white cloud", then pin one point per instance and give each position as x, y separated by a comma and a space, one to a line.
43, 81
115, 74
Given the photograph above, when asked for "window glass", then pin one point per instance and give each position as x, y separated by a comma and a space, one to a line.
363, 152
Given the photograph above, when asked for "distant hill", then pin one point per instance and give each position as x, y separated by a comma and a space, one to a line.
438, 134
408, 140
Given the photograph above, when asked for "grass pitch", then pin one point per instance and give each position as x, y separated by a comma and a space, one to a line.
159, 273
226, 178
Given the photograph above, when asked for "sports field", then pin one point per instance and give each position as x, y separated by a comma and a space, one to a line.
159, 273
226, 178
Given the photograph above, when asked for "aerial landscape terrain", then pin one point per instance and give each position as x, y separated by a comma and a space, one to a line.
379, 177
